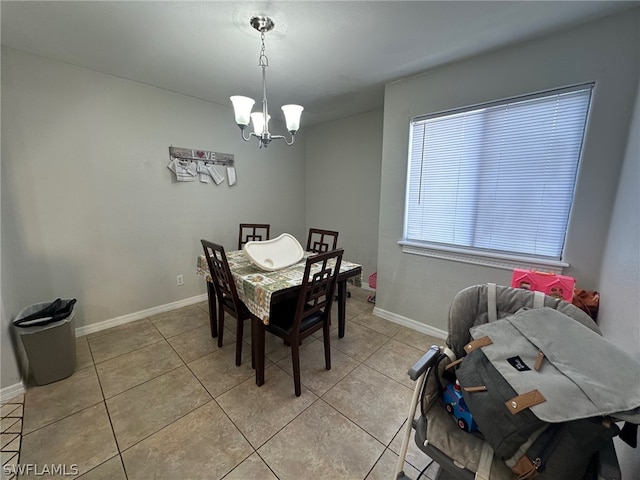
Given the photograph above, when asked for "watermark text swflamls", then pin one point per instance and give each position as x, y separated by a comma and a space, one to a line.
37, 470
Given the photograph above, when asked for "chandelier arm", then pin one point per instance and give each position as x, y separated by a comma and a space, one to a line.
246, 139
282, 137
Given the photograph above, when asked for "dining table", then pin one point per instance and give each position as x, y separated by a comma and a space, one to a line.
259, 290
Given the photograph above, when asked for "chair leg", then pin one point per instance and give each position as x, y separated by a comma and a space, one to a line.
213, 321
220, 323
295, 358
258, 335
327, 345
239, 335
253, 344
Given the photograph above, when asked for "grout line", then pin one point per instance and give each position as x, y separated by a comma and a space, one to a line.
334, 345
289, 422
20, 418
64, 417
95, 363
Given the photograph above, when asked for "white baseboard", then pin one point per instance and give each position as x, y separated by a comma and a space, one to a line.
7, 393
132, 317
17, 389
407, 322
11, 391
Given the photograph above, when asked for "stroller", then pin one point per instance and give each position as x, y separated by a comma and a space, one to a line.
450, 442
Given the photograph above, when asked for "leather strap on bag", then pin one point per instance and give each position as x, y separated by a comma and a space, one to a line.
539, 359
524, 469
526, 400
477, 343
453, 364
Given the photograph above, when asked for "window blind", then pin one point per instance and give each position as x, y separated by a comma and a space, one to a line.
498, 177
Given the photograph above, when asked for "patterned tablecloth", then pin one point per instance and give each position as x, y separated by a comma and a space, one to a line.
256, 286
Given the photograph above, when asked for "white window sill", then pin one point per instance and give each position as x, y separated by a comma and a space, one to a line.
506, 262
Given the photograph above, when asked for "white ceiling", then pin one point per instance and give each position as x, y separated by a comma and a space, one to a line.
331, 57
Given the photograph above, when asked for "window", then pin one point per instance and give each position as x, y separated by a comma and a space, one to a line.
497, 179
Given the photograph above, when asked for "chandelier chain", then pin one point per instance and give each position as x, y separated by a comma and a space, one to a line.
263, 61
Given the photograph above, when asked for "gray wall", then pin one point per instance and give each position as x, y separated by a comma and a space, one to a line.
619, 315
607, 52
84, 185
343, 184
619, 287
90, 209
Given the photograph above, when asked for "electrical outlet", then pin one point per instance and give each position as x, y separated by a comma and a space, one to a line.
180, 280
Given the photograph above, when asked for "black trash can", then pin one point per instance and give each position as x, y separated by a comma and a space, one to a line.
48, 335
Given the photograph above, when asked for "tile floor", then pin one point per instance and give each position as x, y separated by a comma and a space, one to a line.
157, 399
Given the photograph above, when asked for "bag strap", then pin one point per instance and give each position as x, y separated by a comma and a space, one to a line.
484, 462
492, 306
449, 353
538, 299
434, 370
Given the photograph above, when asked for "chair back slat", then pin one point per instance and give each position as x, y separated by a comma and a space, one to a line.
253, 232
318, 284
320, 241
220, 271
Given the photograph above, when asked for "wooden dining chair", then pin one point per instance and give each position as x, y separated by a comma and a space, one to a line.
296, 320
320, 241
250, 232
226, 294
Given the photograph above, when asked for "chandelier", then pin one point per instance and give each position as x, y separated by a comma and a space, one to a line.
242, 105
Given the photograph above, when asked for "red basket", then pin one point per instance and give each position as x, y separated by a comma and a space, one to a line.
373, 279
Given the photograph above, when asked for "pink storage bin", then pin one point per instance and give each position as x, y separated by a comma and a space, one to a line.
552, 284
